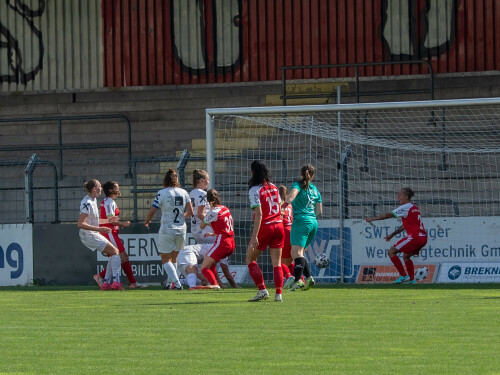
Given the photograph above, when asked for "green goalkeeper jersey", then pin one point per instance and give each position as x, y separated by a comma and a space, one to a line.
305, 202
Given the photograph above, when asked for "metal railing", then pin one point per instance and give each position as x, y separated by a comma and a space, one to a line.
357, 94
60, 147
30, 166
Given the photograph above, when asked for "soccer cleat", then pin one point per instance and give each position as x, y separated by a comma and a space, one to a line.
137, 286
214, 287
261, 295
169, 286
297, 285
99, 280
175, 287
116, 286
412, 281
106, 286
289, 282
309, 283
278, 298
401, 279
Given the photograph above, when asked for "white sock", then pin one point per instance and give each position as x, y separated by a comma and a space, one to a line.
191, 279
116, 267
172, 273
108, 277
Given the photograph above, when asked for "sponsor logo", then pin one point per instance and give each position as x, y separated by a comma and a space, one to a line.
454, 272
424, 273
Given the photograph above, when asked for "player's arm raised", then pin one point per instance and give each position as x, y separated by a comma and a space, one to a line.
387, 215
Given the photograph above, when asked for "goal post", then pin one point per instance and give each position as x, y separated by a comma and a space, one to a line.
447, 151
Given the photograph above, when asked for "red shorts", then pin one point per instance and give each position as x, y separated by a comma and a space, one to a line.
272, 235
411, 245
222, 248
115, 240
287, 246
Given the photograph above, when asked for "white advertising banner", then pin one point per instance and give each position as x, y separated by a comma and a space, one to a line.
16, 254
469, 273
452, 239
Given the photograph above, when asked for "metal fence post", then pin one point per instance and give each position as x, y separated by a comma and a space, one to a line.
28, 188
181, 166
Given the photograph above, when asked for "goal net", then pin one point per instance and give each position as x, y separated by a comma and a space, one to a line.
447, 152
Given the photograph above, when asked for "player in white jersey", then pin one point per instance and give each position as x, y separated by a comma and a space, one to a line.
198, 198
175, 206
90, 235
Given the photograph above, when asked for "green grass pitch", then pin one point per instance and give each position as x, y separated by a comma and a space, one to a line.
342, 329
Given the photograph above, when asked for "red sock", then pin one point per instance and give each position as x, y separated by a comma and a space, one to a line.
209, 275
127, 268
256, 275
103, 273
410, 269
286, 271
399, 266
278, 279
291, 268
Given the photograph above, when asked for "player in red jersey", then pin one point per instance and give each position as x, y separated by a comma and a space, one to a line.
411, 244
286, 253
267, 230
109, 210
221, 221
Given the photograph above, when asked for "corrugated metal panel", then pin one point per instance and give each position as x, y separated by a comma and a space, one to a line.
61, 45
199, 41
50, 45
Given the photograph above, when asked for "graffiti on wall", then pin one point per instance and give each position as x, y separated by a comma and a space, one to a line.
429, 30
20, 34
210, 40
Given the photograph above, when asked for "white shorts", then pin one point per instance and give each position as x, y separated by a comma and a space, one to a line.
94, 241
189, 255
170, 242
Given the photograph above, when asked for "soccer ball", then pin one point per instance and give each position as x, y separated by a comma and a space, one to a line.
421, 273
321, 260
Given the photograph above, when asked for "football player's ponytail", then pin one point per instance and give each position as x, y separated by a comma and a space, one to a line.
306, 175
213, 197
171, 179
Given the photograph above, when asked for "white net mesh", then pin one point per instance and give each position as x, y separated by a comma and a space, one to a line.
448, 155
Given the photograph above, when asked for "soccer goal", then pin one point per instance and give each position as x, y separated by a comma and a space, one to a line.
447, 151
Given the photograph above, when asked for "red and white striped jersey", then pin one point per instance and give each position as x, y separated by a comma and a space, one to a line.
268, 197
288, 216
107, 209
221, 221
412, 221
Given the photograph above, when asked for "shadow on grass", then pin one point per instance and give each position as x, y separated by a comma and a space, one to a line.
247, 288
169, 303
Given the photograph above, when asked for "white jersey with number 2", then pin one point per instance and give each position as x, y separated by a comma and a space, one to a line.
172, 202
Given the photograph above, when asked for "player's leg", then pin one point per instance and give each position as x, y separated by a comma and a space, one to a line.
115, 263
99, 278
411, 249
307, 271
253, 267
393, 256
207, 269
168, 253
